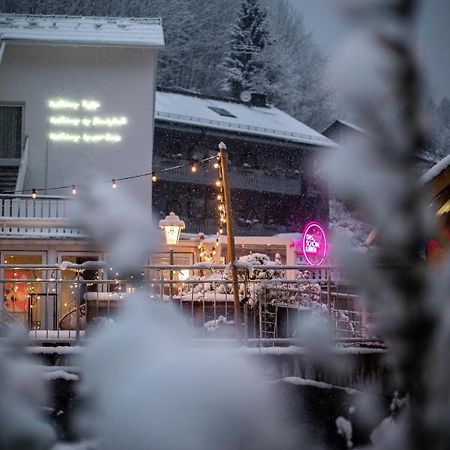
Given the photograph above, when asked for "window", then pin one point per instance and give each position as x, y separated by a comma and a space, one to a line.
23, 298
10, 131
221, 111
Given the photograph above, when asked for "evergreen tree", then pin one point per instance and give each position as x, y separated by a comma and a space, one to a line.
295, 68
244, 63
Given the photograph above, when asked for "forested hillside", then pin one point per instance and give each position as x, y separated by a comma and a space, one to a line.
202, 36
199, 37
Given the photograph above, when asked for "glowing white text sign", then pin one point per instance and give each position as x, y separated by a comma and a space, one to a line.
66, 120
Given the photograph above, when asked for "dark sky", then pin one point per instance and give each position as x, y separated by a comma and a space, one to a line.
329, 28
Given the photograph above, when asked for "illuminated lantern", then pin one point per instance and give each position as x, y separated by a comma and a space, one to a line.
172, 226
314, 244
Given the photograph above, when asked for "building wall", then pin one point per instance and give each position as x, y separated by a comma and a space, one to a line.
274, 185
121, 79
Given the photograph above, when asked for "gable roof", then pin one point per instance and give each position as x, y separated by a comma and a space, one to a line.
342, 126
236, 117
433, 173
77, 30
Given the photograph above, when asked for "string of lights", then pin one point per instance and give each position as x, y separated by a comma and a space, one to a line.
154, 178
206, 256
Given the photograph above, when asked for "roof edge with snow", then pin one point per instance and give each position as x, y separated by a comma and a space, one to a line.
81, 30
435, 171
237, 117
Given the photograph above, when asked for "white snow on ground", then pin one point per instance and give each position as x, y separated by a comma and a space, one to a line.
318, 384
86, 445
60, 350
60, 374
383, 432
214, 325
344, 427
270, 121
294, 350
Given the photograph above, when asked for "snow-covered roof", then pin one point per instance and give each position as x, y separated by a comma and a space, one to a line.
68, 30
236, 117
436, 170
351, 125
340, 124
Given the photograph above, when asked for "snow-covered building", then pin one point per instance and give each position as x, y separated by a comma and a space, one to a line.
341, 131
273, 161
77, 99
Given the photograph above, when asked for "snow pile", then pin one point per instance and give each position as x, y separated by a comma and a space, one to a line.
384, 432
60, 374
254, 261
214, 325
345, 429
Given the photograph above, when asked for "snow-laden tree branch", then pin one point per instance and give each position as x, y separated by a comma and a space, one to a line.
381, 81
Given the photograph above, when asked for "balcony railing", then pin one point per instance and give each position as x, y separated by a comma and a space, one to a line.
279, 182
62, 303
45, 215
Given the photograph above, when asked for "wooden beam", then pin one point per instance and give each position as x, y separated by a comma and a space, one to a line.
231, 251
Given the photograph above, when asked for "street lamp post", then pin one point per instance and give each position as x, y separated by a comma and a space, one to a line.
172, 226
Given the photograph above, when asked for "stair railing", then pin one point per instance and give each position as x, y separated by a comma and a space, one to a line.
22, 168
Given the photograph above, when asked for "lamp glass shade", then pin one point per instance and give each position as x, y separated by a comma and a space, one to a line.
172, 234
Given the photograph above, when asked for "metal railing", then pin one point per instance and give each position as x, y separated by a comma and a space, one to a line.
61, 302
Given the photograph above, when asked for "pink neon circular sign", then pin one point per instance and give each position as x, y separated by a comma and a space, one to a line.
314, 244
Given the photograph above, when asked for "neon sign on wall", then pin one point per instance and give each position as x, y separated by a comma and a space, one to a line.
82, 128
314, 244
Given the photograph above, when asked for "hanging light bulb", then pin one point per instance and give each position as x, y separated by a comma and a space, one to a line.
114, 184
220, 207
33, 194
154, 177
219, 197
218, 183
216, 165
193, 168
74, 190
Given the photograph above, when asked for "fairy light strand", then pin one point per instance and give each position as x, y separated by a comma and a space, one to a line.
153, 175
221, 214
219, 196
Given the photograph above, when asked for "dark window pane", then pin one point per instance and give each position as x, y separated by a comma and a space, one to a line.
10, 131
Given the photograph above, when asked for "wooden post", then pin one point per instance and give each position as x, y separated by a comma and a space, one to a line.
231, 252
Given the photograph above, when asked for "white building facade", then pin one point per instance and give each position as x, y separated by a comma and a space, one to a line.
77, 100
80, 93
